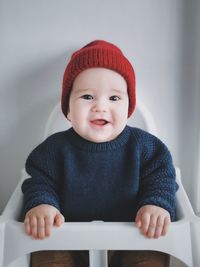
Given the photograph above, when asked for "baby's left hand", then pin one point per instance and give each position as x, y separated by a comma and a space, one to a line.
153, 221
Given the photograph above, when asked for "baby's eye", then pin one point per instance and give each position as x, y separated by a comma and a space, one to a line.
87, 97
114, 98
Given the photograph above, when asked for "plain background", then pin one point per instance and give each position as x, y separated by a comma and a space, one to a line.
162, 40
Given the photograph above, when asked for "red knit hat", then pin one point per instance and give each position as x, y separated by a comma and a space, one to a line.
98, 54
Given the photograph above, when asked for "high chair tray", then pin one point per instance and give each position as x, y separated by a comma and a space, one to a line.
95, 235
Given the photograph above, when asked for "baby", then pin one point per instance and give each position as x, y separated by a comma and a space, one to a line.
100, 169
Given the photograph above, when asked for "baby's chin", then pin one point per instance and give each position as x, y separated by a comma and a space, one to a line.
99, 133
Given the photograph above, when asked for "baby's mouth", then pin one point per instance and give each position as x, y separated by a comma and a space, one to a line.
100, 122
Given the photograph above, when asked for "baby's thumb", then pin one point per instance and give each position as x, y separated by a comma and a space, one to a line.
138, 223
59, 219
138, 220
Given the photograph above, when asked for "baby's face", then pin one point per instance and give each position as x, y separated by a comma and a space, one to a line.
98, 105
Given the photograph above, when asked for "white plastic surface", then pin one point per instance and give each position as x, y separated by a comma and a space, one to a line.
195, 230
98, 237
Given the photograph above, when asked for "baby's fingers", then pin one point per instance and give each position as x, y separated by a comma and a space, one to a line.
138, 220
27, 226
159, 227
152, 226
59, 220
162, 227
33, 225
145, 220
48, 225
166, 226
40, 228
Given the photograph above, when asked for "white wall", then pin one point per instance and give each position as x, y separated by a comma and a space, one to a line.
37, 38
189, 102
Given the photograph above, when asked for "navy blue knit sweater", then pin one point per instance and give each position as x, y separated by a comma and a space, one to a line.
106, 181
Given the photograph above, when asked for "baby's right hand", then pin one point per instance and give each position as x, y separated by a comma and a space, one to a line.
40, 219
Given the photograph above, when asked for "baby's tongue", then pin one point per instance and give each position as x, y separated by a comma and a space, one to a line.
99, 122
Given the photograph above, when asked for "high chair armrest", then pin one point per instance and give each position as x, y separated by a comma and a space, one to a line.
183, 206
96, 236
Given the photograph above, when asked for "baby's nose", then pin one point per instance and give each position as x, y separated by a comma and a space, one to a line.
99, 106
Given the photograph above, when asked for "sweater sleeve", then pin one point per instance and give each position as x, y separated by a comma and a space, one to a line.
157, 175
43, 185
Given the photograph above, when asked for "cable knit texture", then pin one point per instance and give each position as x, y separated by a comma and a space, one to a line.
100, 181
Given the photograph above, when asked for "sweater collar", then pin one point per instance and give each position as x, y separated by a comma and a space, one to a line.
84, 144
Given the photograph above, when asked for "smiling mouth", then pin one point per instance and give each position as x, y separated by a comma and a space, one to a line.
99, 122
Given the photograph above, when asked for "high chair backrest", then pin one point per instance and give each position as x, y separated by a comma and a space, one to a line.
141, 118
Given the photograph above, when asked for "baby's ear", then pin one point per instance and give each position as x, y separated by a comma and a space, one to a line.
68, 116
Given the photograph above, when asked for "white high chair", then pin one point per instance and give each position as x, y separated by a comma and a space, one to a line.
98, 237
195, 237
